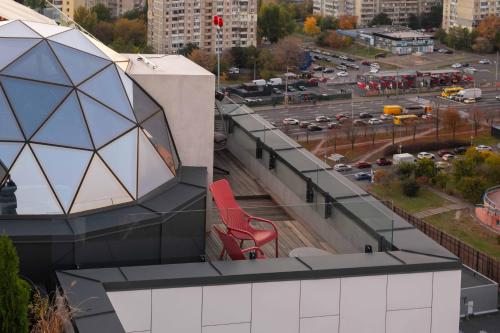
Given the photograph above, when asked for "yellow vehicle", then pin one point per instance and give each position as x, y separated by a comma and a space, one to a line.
399, 120
447, 92
393, 109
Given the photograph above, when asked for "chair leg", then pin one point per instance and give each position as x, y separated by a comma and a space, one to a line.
276, 246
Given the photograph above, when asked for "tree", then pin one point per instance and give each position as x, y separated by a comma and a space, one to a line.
103, 31
35, 4
14, 292
425, 167
410, 187
440, 35
414, 21
492, 166
203, 58
135, 14
477, 117
380, 19
488, 27
328, 23
482, 45
310, 26
451, 120
187, 49
102, 12
288, 54
274, 22
129, 35
347, 22
433, 18
85, 18
472, 188
405, 170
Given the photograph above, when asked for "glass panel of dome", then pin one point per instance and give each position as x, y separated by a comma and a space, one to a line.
8, 124
156, 130
17, 29
39, 63
99, 189
153, 171
107, 88
105, 125
64, 177
46, 30
77, 40
8, 152
33, 194
32, 101
13, 48
121, 157
66, 126
3, 173
128, 84
144, 106
79, 65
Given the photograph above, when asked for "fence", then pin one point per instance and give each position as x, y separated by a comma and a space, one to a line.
471, 257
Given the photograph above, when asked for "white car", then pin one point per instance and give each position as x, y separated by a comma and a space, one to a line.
322, 119
386, 116
375, 121
375, 64
342, 74
485, 61
374, 70
448, 157
483, 148
290, 121
442, 165
456, 65
425, 155
343, 57
342, 167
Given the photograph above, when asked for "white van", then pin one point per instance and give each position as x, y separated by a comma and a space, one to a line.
276, 81
260, 82
402, 158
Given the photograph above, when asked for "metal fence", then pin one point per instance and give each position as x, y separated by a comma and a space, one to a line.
471, 257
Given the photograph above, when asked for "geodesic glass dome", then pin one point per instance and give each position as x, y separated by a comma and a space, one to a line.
76, 133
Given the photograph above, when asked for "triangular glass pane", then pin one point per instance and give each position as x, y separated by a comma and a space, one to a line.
8, 124
13, 48
77, 40
99, 189
121, 157
66, 126
79, 65
17, 29
32, 101
107, 88
39, 63
64, 168
144, 106
8, 152
156, 130
33, 194
46, 30
104, 124
153, 172
128, 84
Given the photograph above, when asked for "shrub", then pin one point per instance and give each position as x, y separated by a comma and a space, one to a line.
441, 179
422, 180
472, 188
381, 176
405, 170
425, 168
14, 292
410, 187
416, 147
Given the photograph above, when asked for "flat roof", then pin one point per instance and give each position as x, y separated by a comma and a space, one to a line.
403, 34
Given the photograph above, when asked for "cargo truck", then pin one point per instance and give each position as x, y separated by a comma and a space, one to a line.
464, 94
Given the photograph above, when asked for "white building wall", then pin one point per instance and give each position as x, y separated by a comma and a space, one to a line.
409, 303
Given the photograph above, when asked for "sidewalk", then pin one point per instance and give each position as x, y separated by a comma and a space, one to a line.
457, 204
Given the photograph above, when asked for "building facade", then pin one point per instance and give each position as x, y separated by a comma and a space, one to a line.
116, 7
174, 24
69, 6
365, 10
466, 13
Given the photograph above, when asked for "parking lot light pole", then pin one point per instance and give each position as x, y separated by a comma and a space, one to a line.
496, 73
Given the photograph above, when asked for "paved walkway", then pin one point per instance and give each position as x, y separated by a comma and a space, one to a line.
456, 204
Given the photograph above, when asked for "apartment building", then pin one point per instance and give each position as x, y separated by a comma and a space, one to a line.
365, 10
172, 24
116, 7
69, 6
467, 13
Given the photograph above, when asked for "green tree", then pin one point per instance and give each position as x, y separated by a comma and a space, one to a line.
135, 14
414, 21
472, 188
129, 35
35, 4
380, 19
462, 167
433, 18
274, 22
328, 23
102, 12
492, 166
187, 49
103, 31
425, 167
410, 187
405, 170
14, 292
85, 18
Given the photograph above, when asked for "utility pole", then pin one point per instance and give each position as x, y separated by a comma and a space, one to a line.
496, 73
437, 121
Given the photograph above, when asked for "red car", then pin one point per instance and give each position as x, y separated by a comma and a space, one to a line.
366, 63
383, 161
362, 165
444, 152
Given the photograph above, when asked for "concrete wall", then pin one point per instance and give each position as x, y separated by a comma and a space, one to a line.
410, 303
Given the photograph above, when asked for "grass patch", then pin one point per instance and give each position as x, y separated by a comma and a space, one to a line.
424, 200
461, 225
485, 139
362, 51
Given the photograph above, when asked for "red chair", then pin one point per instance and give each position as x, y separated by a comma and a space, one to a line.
237, 220
231, 247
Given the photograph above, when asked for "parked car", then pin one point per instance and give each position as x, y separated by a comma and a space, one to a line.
358, 122
362, 165
234, 70
483, 148
460, 150
341, 67
465, 65
318, 68
328, 70
427, 116
343, 57
366, 63
484, 61
253, 99
342, 74
425, 155
448, 52
383, 161
469, 100
442, 165
363, 176
456, 65
314, 127
304, 124
497, 97
375, 64
333, 124
374, 70
365, 115
443, 152
277, 91
322, 119
338, 116
375, 121
386, 116
302, 88
342, 167
290, 121
291, 89
448, 157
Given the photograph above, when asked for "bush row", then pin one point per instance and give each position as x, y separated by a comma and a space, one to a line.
416, 147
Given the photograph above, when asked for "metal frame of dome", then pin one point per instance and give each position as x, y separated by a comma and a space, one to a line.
99, 111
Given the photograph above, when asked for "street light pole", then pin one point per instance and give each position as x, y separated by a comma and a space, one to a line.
217, 38
496, 73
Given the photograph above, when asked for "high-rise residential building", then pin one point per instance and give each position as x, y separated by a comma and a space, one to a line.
172, 24
69, 6
365, 10
116, 7
467, 13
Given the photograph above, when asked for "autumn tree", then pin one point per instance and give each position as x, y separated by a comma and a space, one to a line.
129, 35
335, 40
488, 28
311, 26
203, 58
85, 18
288, 54
451, 120
187, 49
103, 31
102, 12
482, 45
328, 23
477, 116
347, 22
